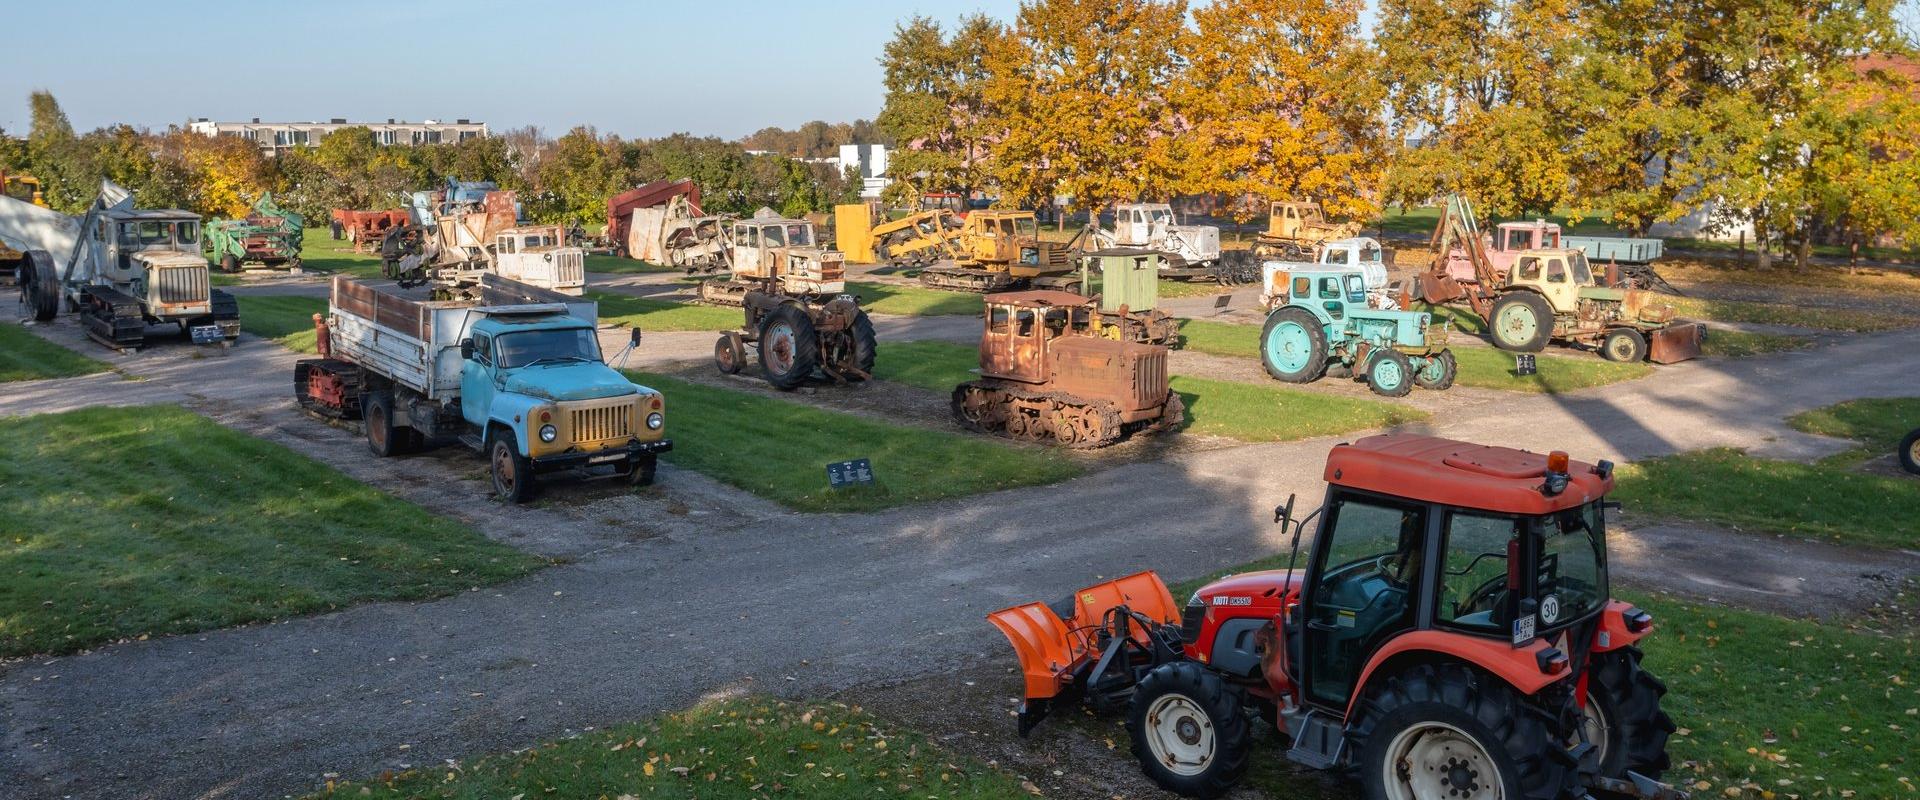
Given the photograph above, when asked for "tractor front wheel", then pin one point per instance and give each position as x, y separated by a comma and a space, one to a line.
1438, 371
1188, 730
1625, 345
1390, 373
1622, 718
1445, 731
1522, 322
1293, 346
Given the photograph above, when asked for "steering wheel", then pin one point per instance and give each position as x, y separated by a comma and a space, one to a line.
1480, 599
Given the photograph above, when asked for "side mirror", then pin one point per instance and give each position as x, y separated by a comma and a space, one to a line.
635, 338
466, 349
1284, 514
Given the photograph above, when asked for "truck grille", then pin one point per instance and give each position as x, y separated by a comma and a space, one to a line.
569, 268
181, 285
601, 424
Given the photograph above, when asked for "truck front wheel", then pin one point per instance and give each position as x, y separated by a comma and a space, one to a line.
512, 472
641, 469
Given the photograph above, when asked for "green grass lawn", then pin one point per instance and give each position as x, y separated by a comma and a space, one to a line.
284, 319
625, 266
1877, 423
154, 520
1740, 344
26, 357
320, 253
752, 747
1831, 319
887, 298
779, 450
664, 315
1246, 411
1483, 367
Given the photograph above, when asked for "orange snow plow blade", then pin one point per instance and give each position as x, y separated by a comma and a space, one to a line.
1055, 653
1676, 343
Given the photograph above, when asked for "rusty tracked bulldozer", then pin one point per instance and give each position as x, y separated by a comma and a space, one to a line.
1047, 375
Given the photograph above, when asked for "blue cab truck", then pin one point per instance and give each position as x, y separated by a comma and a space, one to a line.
516, 375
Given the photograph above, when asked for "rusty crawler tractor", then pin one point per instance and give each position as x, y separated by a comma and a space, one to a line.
1451, 638
1047, 375
1551, 294
1295, 230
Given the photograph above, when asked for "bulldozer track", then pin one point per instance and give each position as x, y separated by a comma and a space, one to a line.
114, 318
1024, 415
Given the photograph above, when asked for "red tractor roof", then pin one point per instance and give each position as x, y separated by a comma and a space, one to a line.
1455, 473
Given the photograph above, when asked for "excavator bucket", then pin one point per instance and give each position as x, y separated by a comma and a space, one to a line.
1676, 343
1057, 654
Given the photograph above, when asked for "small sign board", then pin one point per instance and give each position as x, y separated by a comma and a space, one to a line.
1523, 630
1524, 365
1220, 301
205, 334
842, 474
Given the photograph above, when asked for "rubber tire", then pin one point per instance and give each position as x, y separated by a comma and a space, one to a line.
376, 414
866, 343
1909, 459
1624, 345
229, 264
1449, 370
1232, 737
1543, 322
806, 347
39, 285
522, 487
642, 468
1630, 696
728, 356
1397, 358
1316, 352
1524, 740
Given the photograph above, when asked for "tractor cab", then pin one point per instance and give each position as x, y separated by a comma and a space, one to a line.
1021, 328
771, 247
1561, 275
1140, 224
1513, 237
1288, 218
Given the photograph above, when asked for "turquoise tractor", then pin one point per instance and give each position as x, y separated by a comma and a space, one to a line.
1326, 327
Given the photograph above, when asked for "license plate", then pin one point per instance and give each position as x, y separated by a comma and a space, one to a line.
606, 458
205, 334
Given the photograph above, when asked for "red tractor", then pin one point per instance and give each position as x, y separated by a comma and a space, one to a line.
1451, 638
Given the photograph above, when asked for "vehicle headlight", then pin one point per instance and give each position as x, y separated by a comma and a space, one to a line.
549, 433
655, 420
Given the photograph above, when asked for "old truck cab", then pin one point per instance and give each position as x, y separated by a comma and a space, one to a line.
538, 377
539, 255
1361, 253
786, 250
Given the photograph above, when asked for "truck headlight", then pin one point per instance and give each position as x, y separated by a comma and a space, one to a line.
549, 433
655, 420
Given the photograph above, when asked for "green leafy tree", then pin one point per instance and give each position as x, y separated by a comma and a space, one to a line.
936, 112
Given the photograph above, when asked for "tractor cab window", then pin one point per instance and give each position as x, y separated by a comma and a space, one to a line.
1027, 227
1329, 288
1160, 215
1582, 273
1056, 321
1023, 318
1334, 255
1370, 254
800, 235
1529, 268
997, 317
505, 246
186, 233
1310, 213
1368, 572
1473, 573
1519, 239
152, 233
1356, 289
1291, 212
1302, 288
1556, 270
774, 236
1572, 580
746, 236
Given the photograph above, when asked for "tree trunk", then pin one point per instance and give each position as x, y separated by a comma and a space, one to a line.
1763, 256
1804, 252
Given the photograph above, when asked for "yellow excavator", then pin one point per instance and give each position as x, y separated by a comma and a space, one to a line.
915, 240
25, 189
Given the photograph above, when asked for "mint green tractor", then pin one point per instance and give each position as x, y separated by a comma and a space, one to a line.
1325, 328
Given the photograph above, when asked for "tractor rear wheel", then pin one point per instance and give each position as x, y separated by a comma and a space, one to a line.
728, 355
1623, 719
789, 347
1293, 346
1437, 371
1390, 373
1910, 452
1188, 730
1624, 345
1446, 731
866, 344
1522, 322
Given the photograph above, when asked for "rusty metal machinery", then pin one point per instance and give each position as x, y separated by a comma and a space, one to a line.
794, 338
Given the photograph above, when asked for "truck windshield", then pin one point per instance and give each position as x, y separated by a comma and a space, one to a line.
1582, 274
1160, 216
1573, 569
561, 346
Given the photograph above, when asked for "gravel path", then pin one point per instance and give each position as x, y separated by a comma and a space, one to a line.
669, 595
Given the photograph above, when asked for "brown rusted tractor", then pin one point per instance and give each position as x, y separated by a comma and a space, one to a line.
1046, 374
794, 337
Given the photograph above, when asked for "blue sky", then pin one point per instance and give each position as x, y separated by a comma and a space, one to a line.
639, 69
634, 68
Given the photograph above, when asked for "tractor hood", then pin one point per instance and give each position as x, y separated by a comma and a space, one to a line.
1265, 591
161, 259
570, 381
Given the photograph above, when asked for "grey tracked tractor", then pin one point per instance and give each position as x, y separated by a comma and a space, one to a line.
120, 268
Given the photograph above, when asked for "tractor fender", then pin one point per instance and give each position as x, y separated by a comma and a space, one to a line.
1517, 666
1613, 632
